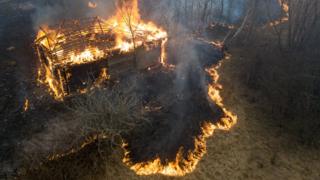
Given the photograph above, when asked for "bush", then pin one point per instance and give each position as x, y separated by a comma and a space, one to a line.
102, 116
111, 112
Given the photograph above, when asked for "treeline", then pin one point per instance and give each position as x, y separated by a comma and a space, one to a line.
285, 69
299, 19
296, 25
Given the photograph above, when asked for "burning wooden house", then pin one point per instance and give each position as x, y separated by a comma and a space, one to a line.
77, 55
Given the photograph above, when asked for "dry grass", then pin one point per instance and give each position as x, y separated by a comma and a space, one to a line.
110, 112
100, 117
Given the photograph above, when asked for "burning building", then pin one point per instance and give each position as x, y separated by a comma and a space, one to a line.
77, 55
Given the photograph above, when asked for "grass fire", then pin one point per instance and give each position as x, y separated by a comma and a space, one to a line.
166, 89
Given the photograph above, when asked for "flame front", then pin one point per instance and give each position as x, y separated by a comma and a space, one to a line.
184, 165
214, 90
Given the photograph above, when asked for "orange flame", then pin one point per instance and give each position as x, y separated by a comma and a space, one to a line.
92, 5
129, 30
88, 55
26, 105
127, 25
285, 7
54, 85
184, 165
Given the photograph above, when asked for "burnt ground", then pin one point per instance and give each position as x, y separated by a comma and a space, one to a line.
178, 105
14, 45
18, 82
181, 96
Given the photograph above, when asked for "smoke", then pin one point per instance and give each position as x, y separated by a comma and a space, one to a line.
196, 14
234, 10
104, 8
52, 12
181, 19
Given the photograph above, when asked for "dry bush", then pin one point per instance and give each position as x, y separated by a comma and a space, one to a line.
110, 112
101, 116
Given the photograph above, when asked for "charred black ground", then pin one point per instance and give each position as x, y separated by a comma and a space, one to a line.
177, 111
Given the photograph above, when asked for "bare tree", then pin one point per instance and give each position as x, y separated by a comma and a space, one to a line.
130, 18
303, 17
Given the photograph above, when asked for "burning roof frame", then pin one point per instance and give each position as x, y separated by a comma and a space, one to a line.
81, 34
